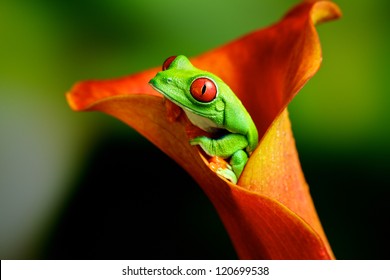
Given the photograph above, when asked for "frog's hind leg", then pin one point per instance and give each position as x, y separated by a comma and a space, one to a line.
224, 147
238, 162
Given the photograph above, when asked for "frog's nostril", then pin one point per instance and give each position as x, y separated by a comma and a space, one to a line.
169, 80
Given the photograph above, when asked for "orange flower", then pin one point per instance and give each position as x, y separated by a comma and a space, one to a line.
269, 214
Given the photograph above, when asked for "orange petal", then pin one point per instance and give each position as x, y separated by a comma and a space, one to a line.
268, 67
84, 94
270, 214
274, 171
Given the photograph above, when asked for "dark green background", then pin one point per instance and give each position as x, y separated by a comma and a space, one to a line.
84, 185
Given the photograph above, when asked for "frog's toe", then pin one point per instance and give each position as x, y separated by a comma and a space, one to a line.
227, 174
199, 140
222, 168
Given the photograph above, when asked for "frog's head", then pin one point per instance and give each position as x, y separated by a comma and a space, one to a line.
191, 88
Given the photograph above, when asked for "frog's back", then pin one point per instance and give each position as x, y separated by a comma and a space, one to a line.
238, 120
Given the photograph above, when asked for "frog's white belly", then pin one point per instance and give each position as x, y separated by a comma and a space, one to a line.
201, 122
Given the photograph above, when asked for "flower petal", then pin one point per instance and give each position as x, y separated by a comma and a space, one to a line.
84, 94
274, 171
268, 67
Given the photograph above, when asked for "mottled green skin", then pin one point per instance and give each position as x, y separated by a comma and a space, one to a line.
225, 112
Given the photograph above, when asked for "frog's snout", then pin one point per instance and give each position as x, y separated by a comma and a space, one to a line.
158, 83
160, 80
152, 82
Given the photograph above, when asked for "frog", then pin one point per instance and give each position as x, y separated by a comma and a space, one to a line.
211, 105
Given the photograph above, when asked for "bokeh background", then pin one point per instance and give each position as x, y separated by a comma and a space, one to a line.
86, 186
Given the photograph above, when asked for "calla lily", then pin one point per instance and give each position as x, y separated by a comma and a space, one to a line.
269, 213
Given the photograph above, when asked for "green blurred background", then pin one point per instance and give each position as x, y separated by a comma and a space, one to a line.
70, 182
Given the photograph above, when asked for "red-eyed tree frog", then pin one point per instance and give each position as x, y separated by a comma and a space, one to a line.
212, 106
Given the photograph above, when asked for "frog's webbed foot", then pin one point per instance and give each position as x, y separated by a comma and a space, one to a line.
227, 174
229, 146
222, 168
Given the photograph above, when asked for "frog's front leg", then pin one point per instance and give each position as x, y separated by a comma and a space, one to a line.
231, 145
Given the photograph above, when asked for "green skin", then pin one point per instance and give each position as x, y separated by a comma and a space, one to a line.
225, 112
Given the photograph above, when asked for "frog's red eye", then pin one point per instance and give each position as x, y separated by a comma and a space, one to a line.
203, 89
168, 62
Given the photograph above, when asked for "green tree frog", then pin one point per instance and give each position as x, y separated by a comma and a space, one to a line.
212, 106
